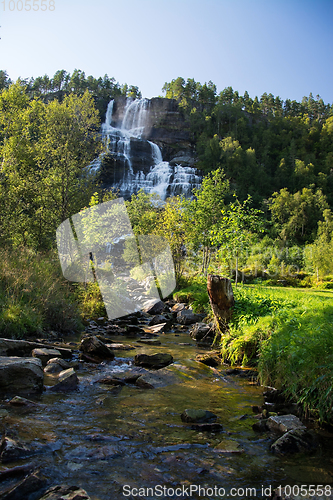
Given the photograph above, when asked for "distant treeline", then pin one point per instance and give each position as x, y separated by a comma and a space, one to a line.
102, 89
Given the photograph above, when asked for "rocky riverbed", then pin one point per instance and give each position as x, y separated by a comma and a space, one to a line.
143, 403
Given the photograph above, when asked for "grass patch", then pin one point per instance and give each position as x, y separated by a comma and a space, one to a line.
34, 296
288, 333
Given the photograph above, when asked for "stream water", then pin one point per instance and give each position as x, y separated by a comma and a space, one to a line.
109, 440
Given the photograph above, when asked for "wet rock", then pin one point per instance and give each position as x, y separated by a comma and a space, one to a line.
56, 365
120, 347
21, 375
45, 354
152, 380
274, 396
110, 381
9, 347
115, 330
228, 446
198, 416
155, 361
295, 441
65, 492
156, 329
11, 450
213, 427
201, 331
134, 330
67, 381
93, 347
25, 487
284, 423
178, 307
154, 306
260, 426
150, 341
187, 317
18, 401
209, 359
157, 320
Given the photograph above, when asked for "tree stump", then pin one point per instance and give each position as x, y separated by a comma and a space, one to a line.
221, 299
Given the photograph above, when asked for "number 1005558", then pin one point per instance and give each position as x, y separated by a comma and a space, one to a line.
21, 5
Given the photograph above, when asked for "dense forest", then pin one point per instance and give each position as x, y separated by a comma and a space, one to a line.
275, 157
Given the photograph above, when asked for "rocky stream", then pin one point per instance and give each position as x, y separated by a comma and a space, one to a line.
141, 408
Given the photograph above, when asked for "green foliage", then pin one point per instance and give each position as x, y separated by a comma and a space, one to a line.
34, 296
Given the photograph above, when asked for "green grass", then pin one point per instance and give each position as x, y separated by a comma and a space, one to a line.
287, 333
34, 297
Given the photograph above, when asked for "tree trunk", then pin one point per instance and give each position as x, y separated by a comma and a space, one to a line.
221, 299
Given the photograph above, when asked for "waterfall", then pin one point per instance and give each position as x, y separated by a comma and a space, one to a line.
142, 163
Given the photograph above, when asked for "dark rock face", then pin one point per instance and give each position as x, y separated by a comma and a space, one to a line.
154, 361
11, 450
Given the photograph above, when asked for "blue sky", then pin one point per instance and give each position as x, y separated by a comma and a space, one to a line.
284, 47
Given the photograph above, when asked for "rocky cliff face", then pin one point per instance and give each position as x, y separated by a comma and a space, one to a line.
148, 146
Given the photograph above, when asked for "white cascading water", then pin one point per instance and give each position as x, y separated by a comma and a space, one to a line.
162, 178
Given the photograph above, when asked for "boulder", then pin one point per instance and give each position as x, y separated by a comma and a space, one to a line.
65, 492
295, 441
198, 416
154, 306
284, 423
45, 354
200, 331
11, 450
67, 381
187, 317
155, 361
56, 365
157, 320
96, 348
31, 484
21, 375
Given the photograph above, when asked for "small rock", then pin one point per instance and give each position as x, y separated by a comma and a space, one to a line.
120, 347
260, 426
150, 341
284, 423
18, 401
178, 307
201, 331
67, 381
11, 450
65, 492
56, 365
197, 416
158, 360
45, 354
154, 306
156, 329
214, 427
187, 317
209, 359
228, 446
